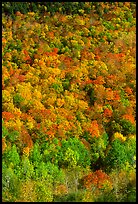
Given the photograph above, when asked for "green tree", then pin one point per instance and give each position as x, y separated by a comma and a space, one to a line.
4, 130
73, 153
27, 168
36, 156
11, 156
10, 182
44, 190
120, 154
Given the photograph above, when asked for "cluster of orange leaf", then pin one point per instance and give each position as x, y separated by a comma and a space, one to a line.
97, 179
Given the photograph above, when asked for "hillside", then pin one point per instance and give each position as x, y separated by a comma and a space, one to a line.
69, 102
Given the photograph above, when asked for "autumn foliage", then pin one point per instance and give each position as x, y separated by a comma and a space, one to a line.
68, 100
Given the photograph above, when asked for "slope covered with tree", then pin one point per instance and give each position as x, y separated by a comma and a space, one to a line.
68, 102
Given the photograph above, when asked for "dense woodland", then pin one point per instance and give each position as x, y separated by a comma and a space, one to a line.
69, 101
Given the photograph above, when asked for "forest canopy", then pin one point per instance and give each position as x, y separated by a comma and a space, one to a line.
68, 101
